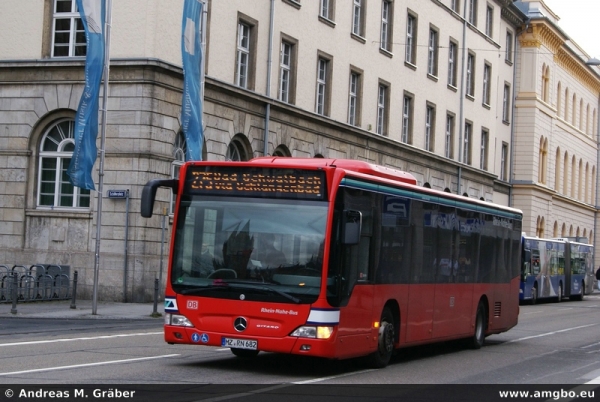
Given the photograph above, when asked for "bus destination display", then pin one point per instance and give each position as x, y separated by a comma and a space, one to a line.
256, 182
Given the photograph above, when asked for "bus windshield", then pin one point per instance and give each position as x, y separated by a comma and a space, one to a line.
271, 249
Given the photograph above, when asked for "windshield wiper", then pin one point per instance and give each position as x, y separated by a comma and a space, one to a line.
198, 290
255, 285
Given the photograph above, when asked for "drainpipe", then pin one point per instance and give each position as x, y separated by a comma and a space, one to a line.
461, 117
513, 111
268, 92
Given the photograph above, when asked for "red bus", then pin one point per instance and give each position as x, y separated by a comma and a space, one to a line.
332, 258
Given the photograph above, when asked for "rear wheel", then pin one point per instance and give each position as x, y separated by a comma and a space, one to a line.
244, 353
385, 341
559, 293
480, 323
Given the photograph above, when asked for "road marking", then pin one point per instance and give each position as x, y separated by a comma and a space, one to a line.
87, 365
91, 338
550, 333
333, 377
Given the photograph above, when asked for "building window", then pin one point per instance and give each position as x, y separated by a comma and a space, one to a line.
452, 59
506, 104
407, 111
354, 98
483, 161
489, 21
432, 53
323, 90
487, 83
243, 55
429, 127
286, 76
449, 140
466, 156
358, 18
504, 162
54, 188
411, 39
327, 9
236, 151
386, 25
473, 12
455, 6
509, 47
68, 34
382, 105
471, 75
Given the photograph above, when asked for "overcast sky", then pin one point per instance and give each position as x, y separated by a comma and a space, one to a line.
580, 20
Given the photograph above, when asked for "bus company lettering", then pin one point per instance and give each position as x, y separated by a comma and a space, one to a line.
505, 223
278, 311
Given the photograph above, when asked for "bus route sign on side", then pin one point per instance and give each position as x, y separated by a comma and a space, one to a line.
117, 193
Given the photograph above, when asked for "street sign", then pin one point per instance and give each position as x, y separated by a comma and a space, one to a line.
118, 193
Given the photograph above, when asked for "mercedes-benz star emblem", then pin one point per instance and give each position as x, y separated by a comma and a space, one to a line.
240, 324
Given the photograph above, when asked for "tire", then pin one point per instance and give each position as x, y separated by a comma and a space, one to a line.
478, 338
534, 295
559, 295
385, 341
244, 353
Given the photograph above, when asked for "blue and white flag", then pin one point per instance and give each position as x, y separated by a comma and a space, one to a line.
93, 14
191, 105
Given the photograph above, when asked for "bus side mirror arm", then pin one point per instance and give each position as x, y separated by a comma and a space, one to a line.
149, 194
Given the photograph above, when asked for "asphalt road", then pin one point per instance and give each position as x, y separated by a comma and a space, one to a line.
552, 344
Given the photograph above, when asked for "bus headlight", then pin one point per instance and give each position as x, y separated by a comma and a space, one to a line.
313, 332
177, 320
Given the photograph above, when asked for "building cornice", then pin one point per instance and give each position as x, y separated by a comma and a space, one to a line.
540, 33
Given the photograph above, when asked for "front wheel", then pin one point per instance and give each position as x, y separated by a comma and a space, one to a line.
480, 324
385, 341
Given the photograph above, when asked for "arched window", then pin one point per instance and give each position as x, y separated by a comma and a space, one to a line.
574, 114
557, 171
565, 185
586, 184
580, 114
545, 82
539, 230
587, 120
558, 99
573, 178
563, 231
579, 181
543, 157
593, 192
566, 115
238, 149
282, 150
555, 229
54, 187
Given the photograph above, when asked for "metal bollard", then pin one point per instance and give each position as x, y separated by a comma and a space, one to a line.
74, 296
13, 310
155, 312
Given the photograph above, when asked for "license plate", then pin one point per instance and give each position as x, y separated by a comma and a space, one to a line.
239, 343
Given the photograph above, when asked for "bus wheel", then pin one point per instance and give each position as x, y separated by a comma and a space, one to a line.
534, 295
559, 294
480, 320
385, 342
244, 353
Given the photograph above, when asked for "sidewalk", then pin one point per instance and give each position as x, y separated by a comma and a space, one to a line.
83, 310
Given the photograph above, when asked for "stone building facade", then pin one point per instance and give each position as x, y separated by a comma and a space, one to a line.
423, 86
556, 131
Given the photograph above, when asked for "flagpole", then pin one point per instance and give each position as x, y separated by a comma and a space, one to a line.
108, 23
